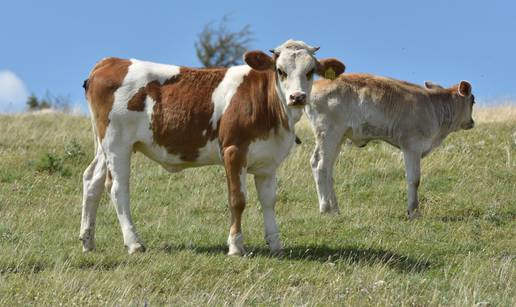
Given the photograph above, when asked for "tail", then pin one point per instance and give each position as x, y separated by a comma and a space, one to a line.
96, 140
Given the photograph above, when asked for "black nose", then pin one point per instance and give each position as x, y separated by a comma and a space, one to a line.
298, 98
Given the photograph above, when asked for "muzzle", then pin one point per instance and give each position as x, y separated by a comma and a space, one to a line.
297, 99
468, 125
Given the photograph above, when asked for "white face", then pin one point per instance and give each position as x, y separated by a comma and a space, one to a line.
295, 68
294, 65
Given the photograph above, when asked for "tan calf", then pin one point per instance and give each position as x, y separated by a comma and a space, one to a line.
363, 107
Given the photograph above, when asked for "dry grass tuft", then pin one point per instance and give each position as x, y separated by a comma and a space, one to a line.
496, 114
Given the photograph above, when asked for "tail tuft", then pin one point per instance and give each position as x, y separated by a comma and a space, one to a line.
85, 85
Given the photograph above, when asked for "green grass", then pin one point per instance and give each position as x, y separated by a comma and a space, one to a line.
461, 252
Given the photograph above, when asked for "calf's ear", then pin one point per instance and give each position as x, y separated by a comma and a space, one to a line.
330, 68
464, 88
431, 85
258, 60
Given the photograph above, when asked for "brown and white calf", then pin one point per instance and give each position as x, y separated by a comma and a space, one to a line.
363, 107
242, 117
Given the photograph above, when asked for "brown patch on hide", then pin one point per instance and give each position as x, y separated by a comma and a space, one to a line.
183, 109
137, 102
255, 110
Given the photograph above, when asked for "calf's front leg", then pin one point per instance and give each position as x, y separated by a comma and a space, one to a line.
234, 162
322, 161
266, 188
413, 175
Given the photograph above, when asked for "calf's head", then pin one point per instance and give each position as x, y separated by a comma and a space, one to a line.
467, 100
463, 100
294, 65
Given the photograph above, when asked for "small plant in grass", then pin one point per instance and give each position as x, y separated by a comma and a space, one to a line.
52, 163
73, 150
55, 163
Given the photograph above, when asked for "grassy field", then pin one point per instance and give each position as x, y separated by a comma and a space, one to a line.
462, 251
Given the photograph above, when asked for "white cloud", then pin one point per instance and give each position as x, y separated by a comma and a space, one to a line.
13, 93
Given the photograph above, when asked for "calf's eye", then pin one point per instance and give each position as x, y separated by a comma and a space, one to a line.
282, 74
310, 74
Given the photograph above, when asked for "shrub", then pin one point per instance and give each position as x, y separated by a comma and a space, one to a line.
73, 150
52, 163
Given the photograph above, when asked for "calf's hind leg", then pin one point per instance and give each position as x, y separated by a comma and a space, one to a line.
413, 175
119, 165
93, 185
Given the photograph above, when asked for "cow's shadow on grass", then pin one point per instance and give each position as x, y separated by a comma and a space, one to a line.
325, 254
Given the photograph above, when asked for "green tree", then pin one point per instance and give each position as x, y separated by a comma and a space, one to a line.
218, 46
35, 104
59, 102
32, 102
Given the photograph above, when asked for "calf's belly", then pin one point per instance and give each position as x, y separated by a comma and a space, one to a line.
362, 134
173, 162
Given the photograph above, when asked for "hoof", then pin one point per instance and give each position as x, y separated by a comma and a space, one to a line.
329, 209
279, 253
412, 215
88, 243
275, 245
235, 251
88, 248
136, 248
236, 245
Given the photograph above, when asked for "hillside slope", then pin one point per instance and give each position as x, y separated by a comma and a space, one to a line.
462, 251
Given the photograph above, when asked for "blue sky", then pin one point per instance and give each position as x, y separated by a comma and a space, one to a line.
52, 45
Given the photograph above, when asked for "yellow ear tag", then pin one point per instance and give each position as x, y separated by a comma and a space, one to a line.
330, 74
